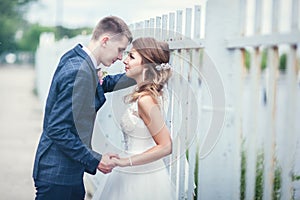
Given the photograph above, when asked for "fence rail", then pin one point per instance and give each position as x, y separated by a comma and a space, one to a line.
235, 97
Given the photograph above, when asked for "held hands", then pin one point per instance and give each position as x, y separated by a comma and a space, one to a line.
121, 162
107, 164
109, 161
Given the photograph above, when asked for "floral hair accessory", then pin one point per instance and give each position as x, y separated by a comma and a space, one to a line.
163, 66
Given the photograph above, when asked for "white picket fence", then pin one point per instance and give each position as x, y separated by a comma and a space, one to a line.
221, 114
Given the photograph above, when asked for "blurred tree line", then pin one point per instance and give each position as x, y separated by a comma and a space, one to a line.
17, 34
31, 35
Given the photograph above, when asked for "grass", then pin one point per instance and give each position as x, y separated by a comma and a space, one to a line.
259, 177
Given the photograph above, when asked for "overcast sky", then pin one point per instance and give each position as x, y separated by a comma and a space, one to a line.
82, 13
78, 13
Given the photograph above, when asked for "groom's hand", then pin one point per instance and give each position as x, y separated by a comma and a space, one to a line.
106, 164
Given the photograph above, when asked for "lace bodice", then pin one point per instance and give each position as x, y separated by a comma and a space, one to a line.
137, 137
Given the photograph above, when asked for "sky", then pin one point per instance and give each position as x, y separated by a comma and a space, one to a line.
79, 13
86, 13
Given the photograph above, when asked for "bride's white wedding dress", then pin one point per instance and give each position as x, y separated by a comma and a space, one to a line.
143, 182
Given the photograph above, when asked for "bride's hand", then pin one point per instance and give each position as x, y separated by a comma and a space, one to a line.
121, 162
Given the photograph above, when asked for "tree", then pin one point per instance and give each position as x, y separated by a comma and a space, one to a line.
31, 35
32, 32
11, 18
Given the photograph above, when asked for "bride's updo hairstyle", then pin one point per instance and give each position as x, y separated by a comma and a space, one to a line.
157, 70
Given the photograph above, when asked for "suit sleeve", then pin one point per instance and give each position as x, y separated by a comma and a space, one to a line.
116, 82
63, 129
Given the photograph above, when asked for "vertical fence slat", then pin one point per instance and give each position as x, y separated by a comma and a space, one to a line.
175, 108
242, 17
270, 134
182, 131
191, 168
136, 30
179, 21
131, 27
191, 154
152, 27
199, 135
139, 29
238, 80
295, 15
184, 103
251, 136
194, 108
171, 26
176, 141
275, 16
147, 24
158, 27
184, 127
197, 22
188, 23
258, 17
291, 133
187, 68
164, 27
142, 27
146, 28
184, 76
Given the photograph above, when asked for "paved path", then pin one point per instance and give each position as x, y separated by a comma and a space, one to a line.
20, 128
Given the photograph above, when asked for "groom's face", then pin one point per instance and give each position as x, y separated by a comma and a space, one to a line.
113, 49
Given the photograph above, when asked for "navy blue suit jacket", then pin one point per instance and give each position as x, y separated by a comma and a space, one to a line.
64, 152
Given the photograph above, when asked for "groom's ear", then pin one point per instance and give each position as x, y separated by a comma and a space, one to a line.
103, 40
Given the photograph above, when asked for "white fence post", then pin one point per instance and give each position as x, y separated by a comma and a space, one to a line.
221, 181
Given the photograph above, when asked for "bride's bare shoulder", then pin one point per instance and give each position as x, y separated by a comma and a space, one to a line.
146, 99
146, 104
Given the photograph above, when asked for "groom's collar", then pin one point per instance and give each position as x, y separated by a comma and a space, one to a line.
88, 52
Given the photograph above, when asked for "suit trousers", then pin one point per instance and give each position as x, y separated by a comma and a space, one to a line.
48, 191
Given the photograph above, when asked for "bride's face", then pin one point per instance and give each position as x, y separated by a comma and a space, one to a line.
133, 65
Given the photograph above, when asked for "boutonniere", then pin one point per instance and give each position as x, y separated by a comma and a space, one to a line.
101, 75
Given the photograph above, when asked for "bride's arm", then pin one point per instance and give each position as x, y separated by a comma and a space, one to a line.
151, 114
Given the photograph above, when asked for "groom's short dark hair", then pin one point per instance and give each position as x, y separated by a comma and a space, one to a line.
113, 25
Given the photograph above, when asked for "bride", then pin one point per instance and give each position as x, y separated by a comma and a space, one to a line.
141, 172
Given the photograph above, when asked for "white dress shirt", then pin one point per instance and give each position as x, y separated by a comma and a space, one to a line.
84, 48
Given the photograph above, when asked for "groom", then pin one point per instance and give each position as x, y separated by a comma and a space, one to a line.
64, 152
